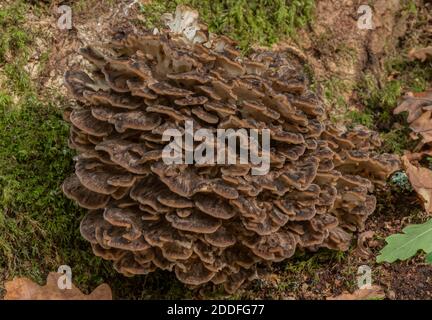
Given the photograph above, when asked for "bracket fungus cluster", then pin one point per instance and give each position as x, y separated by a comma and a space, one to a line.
210, 222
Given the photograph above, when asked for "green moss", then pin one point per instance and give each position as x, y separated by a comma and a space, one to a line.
396, 140
34, 159
5, 100
14, 39
414, 75
378, 98
248, 21
306, 264
15, 45
309, 262
334, 89
361, 117
17, 78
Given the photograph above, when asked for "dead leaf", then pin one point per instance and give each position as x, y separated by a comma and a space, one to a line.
423, 126
420, 54
421, 181
419, 108
25, 289
417, 156
362, 250
413, 105
374, 292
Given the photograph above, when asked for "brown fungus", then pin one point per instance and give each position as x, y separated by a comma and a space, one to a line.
210, 222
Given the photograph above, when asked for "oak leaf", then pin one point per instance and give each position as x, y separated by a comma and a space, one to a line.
372, 293
25, 289
421, 181
405, 245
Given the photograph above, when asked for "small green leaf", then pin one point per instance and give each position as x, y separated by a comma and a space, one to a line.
404, 246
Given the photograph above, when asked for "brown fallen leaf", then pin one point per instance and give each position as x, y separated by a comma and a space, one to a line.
417, 156
25, 289
420, 54
419, 108
374, 292
362, 250
421, 181
423, 126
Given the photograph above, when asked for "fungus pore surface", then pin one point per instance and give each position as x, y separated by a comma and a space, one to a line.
210, 223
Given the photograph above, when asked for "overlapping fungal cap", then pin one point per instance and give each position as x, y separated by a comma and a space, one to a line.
210, 223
